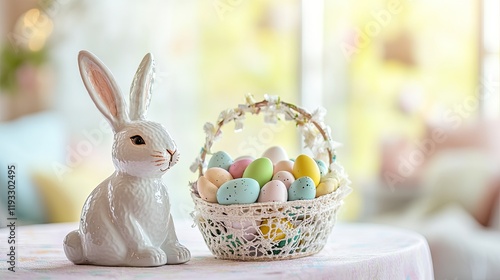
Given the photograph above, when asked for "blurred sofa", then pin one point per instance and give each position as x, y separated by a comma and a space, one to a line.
453, 199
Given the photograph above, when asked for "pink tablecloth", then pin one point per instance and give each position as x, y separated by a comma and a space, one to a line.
354, 251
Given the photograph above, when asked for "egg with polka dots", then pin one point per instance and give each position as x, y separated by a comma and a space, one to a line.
238, 191
273, 191
285, 177
220, 159
302, 189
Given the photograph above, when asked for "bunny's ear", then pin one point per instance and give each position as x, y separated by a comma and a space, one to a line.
140, 90
102, 89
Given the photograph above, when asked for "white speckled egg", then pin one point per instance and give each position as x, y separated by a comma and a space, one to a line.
206, 189
273, 191
220, 159
218, 176
285, 177
275, 154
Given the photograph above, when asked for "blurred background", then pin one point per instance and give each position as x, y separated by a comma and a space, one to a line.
411, 89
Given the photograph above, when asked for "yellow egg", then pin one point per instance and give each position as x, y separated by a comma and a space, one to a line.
206, 189
326, 186
306, 166
273, 228
218, 176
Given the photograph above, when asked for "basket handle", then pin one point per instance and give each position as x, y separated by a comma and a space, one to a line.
274, 107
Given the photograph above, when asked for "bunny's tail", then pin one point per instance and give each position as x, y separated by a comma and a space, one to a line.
73, 247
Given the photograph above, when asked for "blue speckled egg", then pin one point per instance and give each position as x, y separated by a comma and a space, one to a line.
302, 189
238, 191
220, 159
323, 169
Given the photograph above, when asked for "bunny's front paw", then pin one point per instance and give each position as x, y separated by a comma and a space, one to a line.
177, 253
148, 257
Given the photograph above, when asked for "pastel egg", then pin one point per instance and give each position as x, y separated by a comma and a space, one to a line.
220, 159
329, 183
327, 186
218, 176
238, 167
238, 191
323, 169
275, 154
285, 177
248, 228
275, 228
260, 169
302, 189
273, 191
283, 165
306, 166
206, 189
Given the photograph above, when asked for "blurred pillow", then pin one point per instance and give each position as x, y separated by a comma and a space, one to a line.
33, 142
460, 176
64, 196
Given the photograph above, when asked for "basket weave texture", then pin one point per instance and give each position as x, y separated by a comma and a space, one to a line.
270, 230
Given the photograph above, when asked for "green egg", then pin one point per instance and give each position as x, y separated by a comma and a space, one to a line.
260, 170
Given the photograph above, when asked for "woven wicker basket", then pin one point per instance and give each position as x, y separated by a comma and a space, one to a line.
271, 230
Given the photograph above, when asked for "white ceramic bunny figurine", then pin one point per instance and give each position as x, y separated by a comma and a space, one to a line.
126, 220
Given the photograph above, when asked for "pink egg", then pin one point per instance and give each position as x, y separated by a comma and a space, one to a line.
285, 177
238, 167
284, 165
273, 191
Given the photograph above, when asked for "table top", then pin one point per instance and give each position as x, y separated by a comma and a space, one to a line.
353, 251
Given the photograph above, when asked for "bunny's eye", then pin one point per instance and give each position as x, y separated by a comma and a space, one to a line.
137, 140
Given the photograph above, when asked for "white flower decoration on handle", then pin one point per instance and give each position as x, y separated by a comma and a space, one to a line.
315, 133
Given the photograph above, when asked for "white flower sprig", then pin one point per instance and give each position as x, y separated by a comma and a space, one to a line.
315, 133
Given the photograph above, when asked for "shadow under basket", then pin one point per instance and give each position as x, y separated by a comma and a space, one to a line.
271, 230
268, 231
